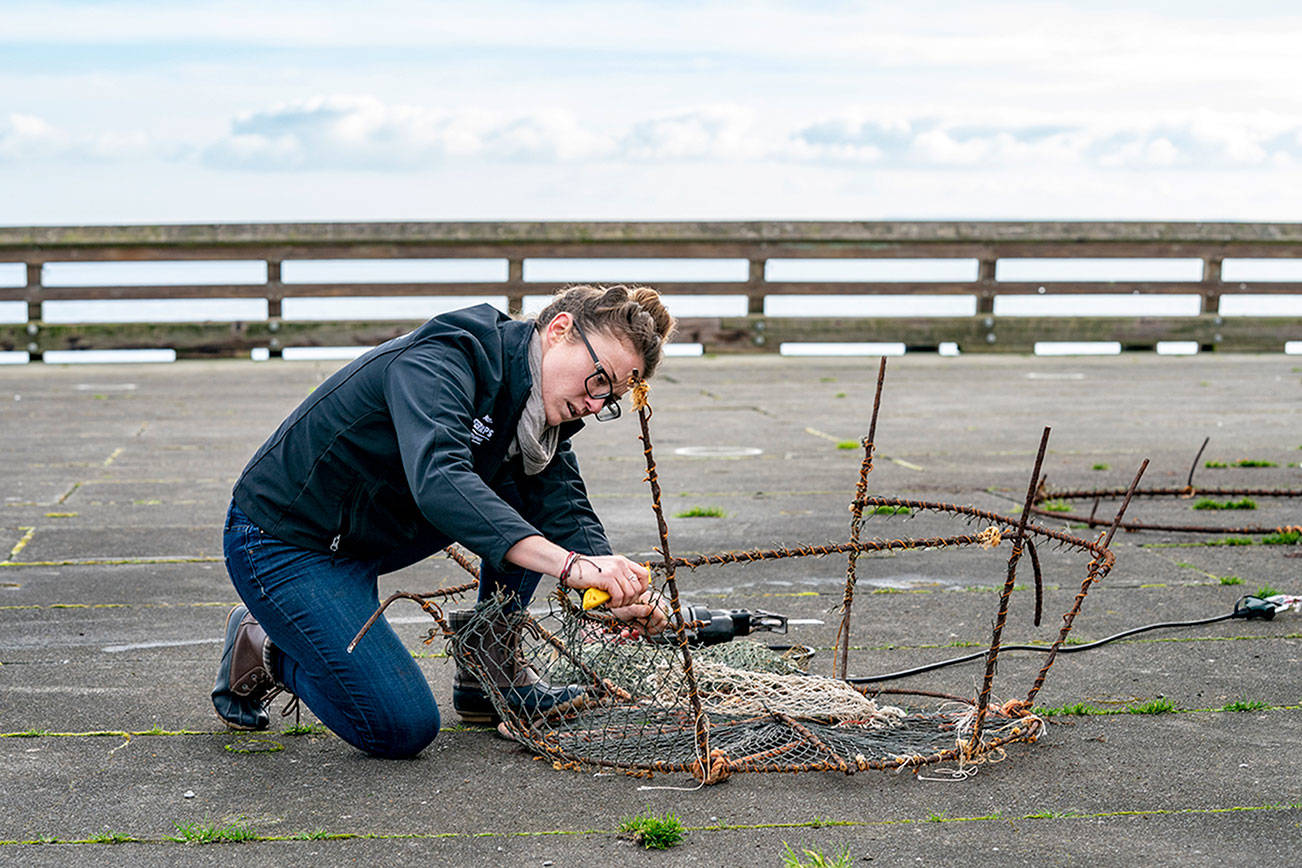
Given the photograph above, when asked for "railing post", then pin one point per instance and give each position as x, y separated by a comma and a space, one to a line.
275, 290
34, 270
275, 294
755, 284
1212, 275
515, 287
985, 301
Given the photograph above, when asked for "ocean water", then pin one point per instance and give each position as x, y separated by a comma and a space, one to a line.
650, 271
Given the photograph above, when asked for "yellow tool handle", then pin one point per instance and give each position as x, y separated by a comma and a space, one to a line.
594, 597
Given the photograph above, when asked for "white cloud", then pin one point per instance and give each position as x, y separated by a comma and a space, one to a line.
1204, 140
24, 136
546, 136
361, 132
707, 134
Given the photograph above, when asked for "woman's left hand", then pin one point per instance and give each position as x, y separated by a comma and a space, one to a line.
642, 617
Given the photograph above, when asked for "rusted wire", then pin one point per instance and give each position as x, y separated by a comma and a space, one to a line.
462, 559
1135, 526
1080, 493
1184, 493
992, 656
837, 759
839, 662
993, 517
1095, 573
678, 621
1189, 491
881, 545
1194, 465
424, 600
872, 692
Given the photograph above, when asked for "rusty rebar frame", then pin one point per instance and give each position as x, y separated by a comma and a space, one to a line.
713, 766
1189, 491
710, 768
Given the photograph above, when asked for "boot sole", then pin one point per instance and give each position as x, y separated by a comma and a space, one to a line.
492, 719
237, 727
478, 719
240, 728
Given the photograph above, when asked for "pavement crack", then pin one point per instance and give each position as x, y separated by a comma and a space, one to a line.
318, 835
22, 543
115, 562
822, 435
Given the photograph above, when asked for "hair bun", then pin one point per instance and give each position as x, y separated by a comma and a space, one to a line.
649, 300
631, 313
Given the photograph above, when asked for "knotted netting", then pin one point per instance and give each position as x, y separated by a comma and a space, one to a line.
653, 705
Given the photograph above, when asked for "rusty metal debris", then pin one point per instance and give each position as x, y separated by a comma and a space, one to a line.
426, 601
1044, 495
660, 705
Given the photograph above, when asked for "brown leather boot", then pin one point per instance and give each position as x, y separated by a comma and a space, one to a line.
492, 646
244, 679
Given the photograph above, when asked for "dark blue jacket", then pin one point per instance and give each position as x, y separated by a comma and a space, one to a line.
404, 450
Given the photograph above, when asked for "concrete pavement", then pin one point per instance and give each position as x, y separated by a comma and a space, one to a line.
113, 593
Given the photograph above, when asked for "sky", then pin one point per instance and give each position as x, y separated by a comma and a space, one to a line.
175, 111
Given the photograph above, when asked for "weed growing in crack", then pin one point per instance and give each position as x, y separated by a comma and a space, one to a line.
701, 512
1155, 706
211, 833
652, 832
814, 858
1245, 705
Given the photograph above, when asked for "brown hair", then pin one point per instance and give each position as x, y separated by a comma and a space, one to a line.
632, 313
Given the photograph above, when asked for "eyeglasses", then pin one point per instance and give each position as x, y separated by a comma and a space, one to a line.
598, 384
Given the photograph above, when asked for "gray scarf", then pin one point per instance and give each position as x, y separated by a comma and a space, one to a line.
534, 440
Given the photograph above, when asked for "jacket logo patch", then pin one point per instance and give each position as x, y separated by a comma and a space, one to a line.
481, 429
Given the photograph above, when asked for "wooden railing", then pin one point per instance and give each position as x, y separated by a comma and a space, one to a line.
756, 243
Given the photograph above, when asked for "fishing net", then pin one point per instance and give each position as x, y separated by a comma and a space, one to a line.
580, 688
650, 705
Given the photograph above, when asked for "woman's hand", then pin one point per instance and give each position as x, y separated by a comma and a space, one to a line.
642, 617
626, 581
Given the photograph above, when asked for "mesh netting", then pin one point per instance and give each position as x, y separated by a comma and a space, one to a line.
656, 705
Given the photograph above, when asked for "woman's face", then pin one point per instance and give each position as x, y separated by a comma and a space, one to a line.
566, 366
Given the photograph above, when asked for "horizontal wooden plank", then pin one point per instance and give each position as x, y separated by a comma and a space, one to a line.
727, 334
686, 288
201, 339
604, 232
328, 290
995, 334
682, 248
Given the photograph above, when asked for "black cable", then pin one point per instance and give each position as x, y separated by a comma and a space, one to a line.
1242, 609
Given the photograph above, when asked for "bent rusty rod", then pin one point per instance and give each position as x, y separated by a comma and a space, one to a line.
1094, 574
840, 664
678, 620
1001, 618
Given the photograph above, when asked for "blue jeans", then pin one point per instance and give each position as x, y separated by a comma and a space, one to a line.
312, 605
